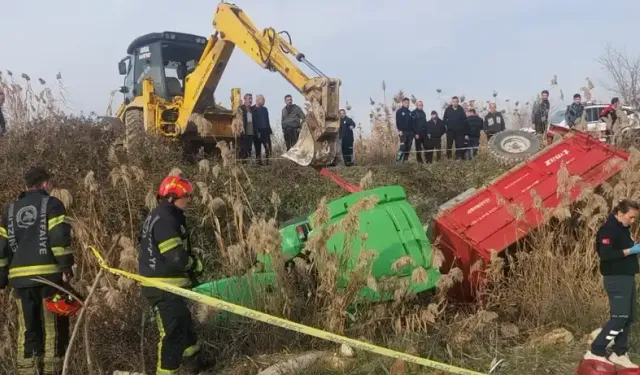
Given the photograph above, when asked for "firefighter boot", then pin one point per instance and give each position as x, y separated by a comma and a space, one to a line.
195, 364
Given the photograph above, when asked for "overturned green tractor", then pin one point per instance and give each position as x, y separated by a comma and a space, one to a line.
391, 231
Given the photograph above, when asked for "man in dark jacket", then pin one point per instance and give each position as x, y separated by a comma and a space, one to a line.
35, 240
540, 112
457, 128
263, 126
250, 137
574, 112
435, 130
292, 118
3, 123
406, 131
346, 137
166, 255
493, 122
420, 125
475, 127
610, 113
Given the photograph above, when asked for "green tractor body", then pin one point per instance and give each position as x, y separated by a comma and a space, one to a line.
391, 230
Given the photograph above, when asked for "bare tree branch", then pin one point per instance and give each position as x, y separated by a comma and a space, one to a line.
624, 74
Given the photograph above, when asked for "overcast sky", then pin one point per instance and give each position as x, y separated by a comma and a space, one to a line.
462, 47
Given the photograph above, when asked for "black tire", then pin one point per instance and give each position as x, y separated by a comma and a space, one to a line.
510, 147
134, 127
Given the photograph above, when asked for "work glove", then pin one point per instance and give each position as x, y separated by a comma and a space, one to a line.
198, 267
635, 249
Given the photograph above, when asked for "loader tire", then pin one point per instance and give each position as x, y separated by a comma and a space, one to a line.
134, 128
510, 147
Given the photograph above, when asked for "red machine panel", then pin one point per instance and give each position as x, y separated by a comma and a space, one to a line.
482, 223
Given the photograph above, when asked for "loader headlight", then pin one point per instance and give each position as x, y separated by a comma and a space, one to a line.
171, 36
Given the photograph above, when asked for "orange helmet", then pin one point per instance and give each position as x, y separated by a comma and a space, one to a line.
175, 186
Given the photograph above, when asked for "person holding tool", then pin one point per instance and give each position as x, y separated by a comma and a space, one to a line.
166, 255
618, 266
35, 242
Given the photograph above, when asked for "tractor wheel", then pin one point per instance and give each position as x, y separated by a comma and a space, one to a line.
134, 127
510, 147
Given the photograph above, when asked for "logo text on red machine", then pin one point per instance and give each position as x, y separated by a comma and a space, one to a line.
556, 157
478, 206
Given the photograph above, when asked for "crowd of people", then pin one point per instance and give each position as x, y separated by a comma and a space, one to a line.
461, 128
256, 130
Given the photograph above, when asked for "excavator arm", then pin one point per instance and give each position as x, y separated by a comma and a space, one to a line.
319, 133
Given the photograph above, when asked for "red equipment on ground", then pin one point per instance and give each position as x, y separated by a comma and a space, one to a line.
479, 224
339, 180
62, 304
591, 367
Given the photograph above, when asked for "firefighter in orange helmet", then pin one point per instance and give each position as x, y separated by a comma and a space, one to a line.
166, 255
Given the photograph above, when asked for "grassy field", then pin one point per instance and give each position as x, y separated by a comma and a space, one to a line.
552, 281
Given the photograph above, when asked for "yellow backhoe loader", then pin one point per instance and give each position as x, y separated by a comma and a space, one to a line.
170, 81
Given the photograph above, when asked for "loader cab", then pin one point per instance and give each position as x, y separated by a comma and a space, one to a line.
165, 57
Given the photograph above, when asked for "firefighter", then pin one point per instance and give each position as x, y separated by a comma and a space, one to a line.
165, 255
35, 241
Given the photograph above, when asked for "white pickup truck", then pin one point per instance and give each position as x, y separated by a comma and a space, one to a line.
594, 125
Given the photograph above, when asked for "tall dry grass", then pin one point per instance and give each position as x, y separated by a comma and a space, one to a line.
551, 280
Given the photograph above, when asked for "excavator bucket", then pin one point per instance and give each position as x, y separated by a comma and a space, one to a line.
317, 141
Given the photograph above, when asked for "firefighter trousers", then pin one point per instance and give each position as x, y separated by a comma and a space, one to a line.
178, 342
42, 335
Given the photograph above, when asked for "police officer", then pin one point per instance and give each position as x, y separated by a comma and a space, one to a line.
165, 255
406, 131
346, 137
35, 241
618, 266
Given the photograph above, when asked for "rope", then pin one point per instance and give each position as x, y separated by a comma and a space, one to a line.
436, 151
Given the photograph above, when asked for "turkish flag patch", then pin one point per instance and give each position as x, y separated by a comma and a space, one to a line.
606, 241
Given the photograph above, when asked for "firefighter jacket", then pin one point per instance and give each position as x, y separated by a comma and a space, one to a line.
35, 240
165, 248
